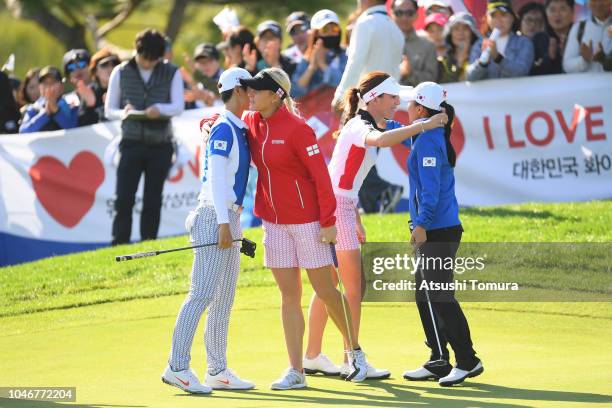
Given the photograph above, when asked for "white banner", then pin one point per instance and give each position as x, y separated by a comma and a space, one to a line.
545, 138
60, 186
518, 140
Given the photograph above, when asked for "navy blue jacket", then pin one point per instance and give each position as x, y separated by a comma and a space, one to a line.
433, 203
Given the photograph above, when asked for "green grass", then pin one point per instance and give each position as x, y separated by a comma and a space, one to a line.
536, 354
94, 277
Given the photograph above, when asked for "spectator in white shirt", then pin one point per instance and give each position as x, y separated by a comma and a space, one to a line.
376, 45
588, 41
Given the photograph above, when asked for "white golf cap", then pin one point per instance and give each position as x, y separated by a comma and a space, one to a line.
429, 94
323, 17
390, 87
230, 78
426, 4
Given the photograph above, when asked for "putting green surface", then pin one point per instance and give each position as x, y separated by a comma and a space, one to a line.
105, 328
534, 355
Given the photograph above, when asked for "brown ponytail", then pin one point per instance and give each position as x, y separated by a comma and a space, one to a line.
351, 98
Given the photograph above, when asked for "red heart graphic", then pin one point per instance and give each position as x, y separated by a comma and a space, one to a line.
67, 193
401, 152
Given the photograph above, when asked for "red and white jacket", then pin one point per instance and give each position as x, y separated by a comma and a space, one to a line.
293, 184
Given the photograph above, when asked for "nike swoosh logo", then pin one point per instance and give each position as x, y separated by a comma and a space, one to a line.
226, 382
185, 383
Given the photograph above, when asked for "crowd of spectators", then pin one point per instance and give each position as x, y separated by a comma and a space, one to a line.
540, 38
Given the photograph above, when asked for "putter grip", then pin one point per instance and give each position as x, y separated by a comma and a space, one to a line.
332, 247
135, 256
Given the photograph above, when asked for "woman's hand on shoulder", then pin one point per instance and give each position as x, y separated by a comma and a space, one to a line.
436, 121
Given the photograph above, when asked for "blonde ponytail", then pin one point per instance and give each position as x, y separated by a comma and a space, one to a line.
282, 79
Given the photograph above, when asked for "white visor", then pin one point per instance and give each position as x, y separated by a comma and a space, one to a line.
388, 86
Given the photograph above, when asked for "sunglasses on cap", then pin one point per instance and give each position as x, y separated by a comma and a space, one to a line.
404, 13
109, 64
298, 28
73, 66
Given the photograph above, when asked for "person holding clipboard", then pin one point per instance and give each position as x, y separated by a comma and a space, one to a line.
144, 93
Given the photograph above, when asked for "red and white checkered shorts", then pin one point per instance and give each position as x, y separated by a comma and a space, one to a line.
346, 224
295, 246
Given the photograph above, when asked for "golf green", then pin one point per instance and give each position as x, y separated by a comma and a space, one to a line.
542, 355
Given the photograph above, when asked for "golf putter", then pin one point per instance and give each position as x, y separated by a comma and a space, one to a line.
346, 320
248, 248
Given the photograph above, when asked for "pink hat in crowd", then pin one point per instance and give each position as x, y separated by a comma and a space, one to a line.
436, 18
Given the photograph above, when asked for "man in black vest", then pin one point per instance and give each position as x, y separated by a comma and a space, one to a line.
144, 92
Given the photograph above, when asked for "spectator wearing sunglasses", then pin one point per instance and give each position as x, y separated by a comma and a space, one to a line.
297, 25
324, 60
76, 71
100, 67
419, 63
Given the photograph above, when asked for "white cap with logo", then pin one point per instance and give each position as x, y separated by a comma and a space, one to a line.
230, 78
429, 94
323, 17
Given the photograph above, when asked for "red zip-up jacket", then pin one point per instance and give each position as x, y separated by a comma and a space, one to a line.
293, 184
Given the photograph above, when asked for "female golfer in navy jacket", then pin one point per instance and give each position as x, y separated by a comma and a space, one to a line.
436, 233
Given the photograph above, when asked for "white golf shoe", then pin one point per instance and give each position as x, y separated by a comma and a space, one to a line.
358, 367
420, 374
320, 364
186, 380
431, 370
458, 375
227, 380
372, 373
291, 379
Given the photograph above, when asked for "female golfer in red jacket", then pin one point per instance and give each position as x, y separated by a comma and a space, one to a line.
296, 202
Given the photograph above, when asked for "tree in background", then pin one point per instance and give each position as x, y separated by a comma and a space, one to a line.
69, 21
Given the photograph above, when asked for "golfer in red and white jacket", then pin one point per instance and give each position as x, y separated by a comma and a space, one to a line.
296, 202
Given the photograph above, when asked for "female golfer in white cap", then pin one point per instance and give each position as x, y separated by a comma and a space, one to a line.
215, 268
354, 155
436, 233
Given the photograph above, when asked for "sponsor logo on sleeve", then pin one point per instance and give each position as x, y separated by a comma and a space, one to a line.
429, 162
